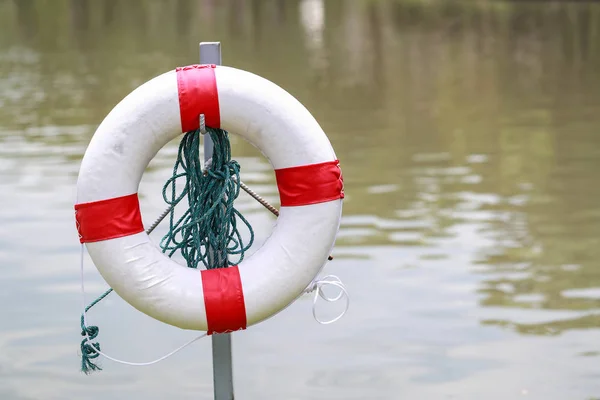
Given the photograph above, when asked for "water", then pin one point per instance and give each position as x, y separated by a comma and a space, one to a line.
468, 137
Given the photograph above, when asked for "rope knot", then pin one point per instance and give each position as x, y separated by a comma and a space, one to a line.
89, 350
91, 332
317, 286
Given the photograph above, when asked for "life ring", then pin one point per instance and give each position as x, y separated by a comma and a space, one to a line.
309, 180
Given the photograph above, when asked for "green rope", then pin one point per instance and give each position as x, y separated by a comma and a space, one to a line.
207, 232
88, 349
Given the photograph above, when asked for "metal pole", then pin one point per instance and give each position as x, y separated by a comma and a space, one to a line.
210, 53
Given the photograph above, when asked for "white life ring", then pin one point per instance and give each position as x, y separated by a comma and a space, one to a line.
308, 178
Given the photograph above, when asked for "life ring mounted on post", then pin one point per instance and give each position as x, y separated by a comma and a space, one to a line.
309, 180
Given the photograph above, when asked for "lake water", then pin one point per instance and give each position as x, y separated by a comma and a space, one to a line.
469, 138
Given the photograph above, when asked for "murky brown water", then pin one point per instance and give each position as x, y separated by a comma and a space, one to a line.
468, 134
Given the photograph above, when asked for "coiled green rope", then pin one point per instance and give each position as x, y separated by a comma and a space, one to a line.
207, 232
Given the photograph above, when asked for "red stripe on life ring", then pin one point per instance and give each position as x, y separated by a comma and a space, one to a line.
197, 89
224, 300
108, 219
310, 184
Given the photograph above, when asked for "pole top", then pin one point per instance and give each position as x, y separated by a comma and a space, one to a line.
210, 53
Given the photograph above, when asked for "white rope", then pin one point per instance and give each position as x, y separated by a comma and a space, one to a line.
143, 364
317, 287
137, 364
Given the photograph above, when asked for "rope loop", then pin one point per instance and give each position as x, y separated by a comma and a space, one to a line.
317, 287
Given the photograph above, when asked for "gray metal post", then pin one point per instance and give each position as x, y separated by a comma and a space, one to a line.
210, 53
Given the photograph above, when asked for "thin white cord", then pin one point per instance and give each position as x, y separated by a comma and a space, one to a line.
137, 364
317, 287
143, 364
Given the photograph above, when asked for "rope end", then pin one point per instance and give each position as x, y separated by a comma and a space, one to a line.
89, 350
88, 353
